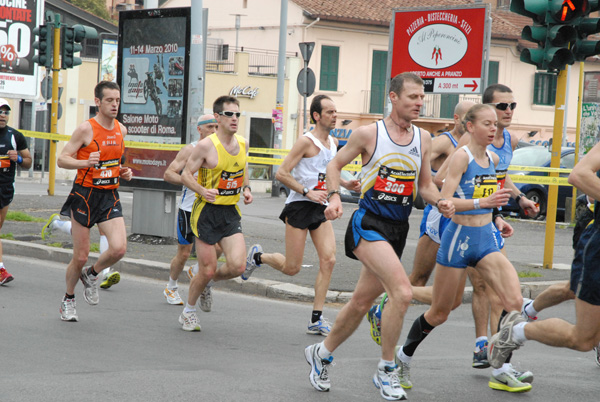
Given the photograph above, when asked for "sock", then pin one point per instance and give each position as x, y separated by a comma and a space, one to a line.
63, 226
258, 259
480, 343
530, 310
91, 271
403, 356
103, 248
316, 316
188, 308
418, 332
172, 283
386, 363
518, 334
1, 264
210, 283
68, 296
322, 351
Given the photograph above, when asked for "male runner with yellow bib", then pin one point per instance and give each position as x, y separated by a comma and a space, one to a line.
220, 160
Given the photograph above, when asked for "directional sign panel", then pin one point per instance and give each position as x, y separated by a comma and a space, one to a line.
444, 47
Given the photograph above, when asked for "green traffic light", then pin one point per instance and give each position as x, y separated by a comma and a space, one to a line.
71, 38
43, 45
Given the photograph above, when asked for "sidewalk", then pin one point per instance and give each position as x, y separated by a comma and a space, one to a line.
261, 225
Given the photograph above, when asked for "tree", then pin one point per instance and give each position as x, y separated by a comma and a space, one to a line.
96, 7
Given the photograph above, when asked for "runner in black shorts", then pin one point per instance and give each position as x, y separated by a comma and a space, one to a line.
303, 171
585, 282
95, 150
13, 151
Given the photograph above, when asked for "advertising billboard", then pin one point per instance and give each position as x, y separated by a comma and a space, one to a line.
18, 73
152, 66
446, 47
108, 59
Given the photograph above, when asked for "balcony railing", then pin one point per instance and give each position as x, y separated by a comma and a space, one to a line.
220, 58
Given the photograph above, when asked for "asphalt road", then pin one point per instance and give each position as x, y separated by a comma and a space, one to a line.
131, 348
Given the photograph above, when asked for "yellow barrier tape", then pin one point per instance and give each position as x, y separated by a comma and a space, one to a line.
560, 181
45, 136
149, 145
269, 151
538, 169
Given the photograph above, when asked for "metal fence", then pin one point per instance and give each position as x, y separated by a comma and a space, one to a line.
220, 58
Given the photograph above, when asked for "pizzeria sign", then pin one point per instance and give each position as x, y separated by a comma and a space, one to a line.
448, 49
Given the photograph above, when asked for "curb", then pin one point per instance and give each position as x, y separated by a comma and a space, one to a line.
257, 287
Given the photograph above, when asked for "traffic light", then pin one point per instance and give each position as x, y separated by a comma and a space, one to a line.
70, 43
584, 48
44, 45
554, 30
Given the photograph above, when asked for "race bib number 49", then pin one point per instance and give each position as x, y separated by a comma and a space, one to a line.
231, 183
394, 186
484, 185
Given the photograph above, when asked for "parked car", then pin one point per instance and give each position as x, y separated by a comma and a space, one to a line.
540, 156
345, 194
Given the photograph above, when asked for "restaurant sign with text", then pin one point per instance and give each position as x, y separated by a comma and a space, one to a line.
444, 47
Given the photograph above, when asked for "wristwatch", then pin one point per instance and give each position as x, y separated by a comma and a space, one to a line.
519, 197
305, 191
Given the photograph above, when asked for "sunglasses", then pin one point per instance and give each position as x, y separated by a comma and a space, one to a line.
503, 105
5, 112
231, 114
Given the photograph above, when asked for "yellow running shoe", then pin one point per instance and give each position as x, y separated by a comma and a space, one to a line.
111, 279
47, 229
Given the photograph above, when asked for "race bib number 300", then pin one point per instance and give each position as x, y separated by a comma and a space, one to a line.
484, 185
394, 186
231, 183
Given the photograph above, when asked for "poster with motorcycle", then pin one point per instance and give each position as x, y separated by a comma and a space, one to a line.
18, 73
153, 73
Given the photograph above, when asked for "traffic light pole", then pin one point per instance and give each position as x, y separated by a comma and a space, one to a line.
559, 115
55, 100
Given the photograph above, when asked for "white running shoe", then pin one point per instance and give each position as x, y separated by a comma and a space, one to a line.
250, 263
205, 299
67, 310
90, 287
321, 327
172, 296
190, 272
501, 344
319, 378
388, 384
506, 381
189, 321
403, 370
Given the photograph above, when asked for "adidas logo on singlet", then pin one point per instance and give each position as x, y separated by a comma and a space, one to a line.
414, 151
236, 164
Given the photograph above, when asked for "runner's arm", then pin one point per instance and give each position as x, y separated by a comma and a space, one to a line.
173, 173
81, 137
583, 176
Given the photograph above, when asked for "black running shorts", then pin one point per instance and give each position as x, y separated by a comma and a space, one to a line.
212, 222
303, 214
89, 205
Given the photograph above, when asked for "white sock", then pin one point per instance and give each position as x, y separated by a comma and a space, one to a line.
322, 351
530, 310
63, 226
188, 308
103, 248
210, 283
383, 363
172, 284
402, 356
1, 264
518, 334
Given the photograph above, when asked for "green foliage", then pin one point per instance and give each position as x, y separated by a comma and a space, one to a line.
95, 247
56, 244
7, 236
529, 274
22, 217
96, 7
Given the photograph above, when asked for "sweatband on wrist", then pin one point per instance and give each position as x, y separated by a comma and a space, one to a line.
476, 204
19, 159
